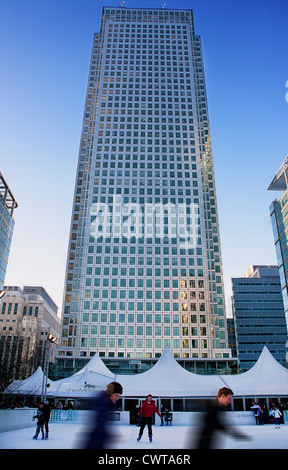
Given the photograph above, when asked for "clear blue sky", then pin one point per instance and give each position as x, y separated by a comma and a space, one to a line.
45, 51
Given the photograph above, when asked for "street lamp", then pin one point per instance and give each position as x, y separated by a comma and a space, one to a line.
2, 293
50, 340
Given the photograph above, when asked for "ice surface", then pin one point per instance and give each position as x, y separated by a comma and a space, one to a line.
67, 436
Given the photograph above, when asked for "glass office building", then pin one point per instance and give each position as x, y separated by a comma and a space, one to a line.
259, 317
279, 219
144, 268
7, 206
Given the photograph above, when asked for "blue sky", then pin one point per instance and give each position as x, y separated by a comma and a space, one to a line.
45, 51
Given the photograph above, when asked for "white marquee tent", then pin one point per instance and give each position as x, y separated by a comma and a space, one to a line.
168, 379
266, 378
94, 376
165, 379
30, 386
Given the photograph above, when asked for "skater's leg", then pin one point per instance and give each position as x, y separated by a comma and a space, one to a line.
143, 424
46, 426
46, 429
37, 432
149, 423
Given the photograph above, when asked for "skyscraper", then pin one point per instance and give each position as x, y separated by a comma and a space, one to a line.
144, 268
259, 317
8, 204
278, 214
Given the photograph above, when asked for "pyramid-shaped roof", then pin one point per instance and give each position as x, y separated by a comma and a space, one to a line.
168, 378
92, 377
30, 386
266, 377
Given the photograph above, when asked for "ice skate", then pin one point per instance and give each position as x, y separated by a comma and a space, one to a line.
139, 438
46, 436
36, 436
150, 438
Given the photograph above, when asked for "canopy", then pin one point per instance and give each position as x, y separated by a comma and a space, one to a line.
266, 377
30, 386
165, 379
168, 379
94, 376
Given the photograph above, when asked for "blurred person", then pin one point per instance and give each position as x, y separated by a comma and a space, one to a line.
103, 407
214, 421
146, 413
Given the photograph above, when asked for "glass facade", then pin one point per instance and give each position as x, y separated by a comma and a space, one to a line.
7, 206
259, 317
144, 268
279, 220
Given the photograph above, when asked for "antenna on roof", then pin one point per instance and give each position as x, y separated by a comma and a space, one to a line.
122, 4
163, 5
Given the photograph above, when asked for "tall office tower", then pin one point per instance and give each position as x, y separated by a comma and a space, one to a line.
278, 214
8, 204
259, 317
145, 181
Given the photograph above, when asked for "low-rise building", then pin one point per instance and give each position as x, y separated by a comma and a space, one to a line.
27, 317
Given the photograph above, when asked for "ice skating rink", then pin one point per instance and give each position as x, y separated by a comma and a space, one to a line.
68, 436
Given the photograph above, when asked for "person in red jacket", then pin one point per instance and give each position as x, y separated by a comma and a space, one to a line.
146, 412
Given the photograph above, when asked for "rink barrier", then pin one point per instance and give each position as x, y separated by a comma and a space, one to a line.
82, 416
17, 419
22, 418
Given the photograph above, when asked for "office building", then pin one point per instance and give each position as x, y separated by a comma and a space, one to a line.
259, 317
8, 204
278, 214
144, 268
27, 317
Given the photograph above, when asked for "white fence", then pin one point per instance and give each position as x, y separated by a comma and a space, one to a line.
17, 419
22, 418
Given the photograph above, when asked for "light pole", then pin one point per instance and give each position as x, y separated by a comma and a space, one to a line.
50, 339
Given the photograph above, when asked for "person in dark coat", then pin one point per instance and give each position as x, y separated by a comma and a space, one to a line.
214, 420
103, 409
40, 422
146, 411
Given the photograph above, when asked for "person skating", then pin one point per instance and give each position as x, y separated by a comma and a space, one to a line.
277, 415
46, 410
40, 424
146, 412
103, 409
213, 421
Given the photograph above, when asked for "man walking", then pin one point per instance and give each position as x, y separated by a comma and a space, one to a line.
146, 412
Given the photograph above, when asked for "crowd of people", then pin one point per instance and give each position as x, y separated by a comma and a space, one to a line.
272, 415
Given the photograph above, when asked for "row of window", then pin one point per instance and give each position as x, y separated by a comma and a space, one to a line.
116, 249
141, 343
123, 294
139, 330
124, 260
12, 308
139, 306
131, 317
